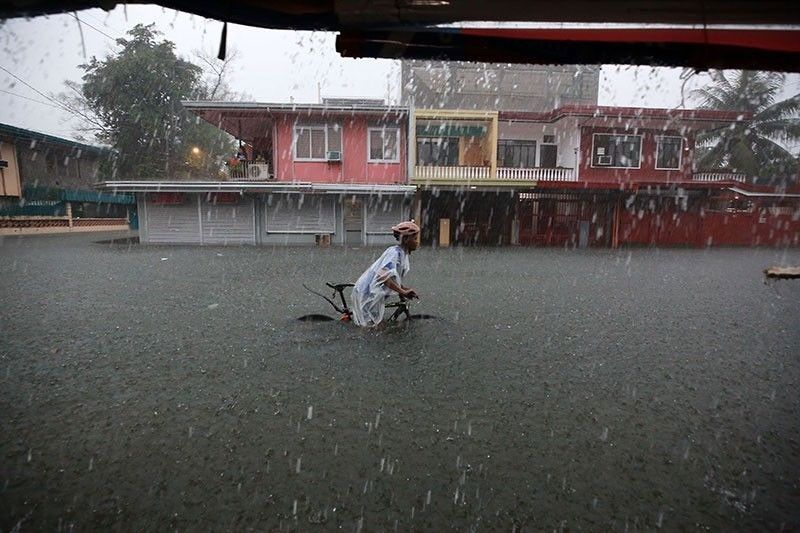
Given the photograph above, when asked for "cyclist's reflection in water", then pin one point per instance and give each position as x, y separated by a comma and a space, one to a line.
384, 277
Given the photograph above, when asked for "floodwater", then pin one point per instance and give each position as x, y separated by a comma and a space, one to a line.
169, 388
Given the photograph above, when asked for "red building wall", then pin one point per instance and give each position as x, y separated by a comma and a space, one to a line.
647, 171
671, 227
354, 167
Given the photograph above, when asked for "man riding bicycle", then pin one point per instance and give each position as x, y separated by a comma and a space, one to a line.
384, 277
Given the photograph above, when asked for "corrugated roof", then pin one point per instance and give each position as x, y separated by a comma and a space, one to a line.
22, 133
249, 186
626, 112
267, 107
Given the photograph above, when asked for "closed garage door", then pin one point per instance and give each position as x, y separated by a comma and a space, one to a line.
382, 214
300, 213
228, 219
172, 219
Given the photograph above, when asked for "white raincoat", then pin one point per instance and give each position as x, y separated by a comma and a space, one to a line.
370, 291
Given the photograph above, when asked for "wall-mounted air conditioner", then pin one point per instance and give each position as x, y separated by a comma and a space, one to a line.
258, 172
334, 155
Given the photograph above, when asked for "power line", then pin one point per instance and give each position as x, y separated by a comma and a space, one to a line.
64, 106
104, 23
29, 98
92, 27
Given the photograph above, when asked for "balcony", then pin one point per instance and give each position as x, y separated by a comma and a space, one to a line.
250, 171
719, 176
455, 175
536, 174
451, 174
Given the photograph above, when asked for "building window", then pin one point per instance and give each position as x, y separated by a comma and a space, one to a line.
437, 152
616, 151
516, 154
668, 153
312, 143
383, 145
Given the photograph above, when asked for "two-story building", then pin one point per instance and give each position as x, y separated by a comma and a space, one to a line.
335, 172
344, 172
582, 176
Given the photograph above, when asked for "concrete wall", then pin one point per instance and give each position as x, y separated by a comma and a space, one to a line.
462, 85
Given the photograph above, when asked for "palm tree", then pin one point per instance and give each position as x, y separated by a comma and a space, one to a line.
760, 145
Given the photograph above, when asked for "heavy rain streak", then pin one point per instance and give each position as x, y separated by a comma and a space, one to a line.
531, 297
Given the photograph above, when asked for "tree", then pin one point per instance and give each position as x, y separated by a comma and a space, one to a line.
132, 101
758, 146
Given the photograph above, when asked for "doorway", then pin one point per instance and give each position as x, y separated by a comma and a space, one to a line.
548, 155
353, 222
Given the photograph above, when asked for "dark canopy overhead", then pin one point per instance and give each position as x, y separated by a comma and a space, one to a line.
339, 15
401, 28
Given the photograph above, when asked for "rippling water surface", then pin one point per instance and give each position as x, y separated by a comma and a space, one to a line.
154, 388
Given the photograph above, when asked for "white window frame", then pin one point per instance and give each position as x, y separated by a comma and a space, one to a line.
659, 138
369, 144
323, 127
641, 143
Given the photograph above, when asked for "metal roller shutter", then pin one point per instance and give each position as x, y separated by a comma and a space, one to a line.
229, 223
300, 213
175, 224
383, 213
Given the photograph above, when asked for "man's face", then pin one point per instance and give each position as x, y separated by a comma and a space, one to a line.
412, 241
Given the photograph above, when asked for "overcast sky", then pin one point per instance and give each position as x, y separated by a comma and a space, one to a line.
272, 66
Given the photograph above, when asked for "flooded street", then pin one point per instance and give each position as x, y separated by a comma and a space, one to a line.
170, 388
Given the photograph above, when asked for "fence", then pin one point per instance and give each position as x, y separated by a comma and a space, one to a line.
451, 173
536, 174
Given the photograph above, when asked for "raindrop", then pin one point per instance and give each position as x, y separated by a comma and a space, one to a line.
310, 412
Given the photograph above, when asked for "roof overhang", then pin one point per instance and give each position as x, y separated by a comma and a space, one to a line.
761, 194
35, 137
646, 187
407, 28
248, 120
698, 46
243, 187
350, 14
632, 117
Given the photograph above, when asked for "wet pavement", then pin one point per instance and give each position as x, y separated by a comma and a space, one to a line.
169, 388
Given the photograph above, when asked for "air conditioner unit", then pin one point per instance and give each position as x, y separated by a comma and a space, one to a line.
334, 155
258, 172
604, 160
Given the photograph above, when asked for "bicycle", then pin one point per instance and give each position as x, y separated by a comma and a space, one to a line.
402, 307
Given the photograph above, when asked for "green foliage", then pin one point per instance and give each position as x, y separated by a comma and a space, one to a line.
756, 146
135, 98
